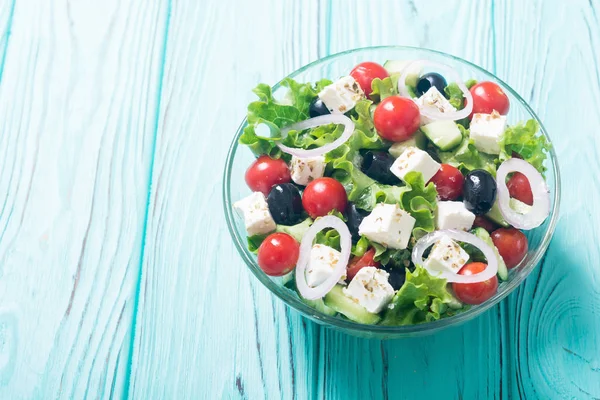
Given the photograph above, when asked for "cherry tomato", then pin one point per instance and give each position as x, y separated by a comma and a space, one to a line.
448, 182
475, 293
278, 254
519, 188
266, 172
357, 263
396, 118
483, 222
487, 97
322, 196
364, 73
511, 244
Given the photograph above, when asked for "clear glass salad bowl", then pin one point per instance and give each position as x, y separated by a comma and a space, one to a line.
332, 67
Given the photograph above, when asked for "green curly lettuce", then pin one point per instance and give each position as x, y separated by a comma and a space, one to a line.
454, 95
383, 88
296, 231
422, 298
466, 157
419, 201
522, 139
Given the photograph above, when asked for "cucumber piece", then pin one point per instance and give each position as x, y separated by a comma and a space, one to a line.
519, 206
495, 215
397, 66
338, 301
320, 306
485, 236
445, 135
417, 140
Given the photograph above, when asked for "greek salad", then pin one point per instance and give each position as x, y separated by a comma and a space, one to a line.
395, 195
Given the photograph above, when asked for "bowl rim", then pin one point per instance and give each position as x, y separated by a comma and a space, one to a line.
340, 323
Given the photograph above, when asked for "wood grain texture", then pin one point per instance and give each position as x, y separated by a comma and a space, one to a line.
78, 104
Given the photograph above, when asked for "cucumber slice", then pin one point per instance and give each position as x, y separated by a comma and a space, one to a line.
485, 236
397, 66
320, 306
445, 135
417, 140
338, 301
519, 206
495, 215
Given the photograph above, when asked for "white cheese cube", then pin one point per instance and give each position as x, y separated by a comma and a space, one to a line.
305, 170
255, 211
322, 261
398, 148
453, 215
388, 225
342, 95
370, 288
433, 99
486, 131
446, 255
413, 159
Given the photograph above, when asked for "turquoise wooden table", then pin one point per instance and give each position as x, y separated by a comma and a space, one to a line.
117, 275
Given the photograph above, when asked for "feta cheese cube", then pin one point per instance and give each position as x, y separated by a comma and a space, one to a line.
486, 131
305, 170
370, 288
321, 263
255, 211
342, 95
453, 215
433, 99
446, 255
388, 225
413, 159
398, 148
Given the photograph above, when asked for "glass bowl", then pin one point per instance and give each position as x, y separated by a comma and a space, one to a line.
335, 66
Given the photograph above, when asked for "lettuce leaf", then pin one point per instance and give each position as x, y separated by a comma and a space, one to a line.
422, 298
470, 83
383, 88
296, 231
420, 202
454, 95
466, 157
522, 139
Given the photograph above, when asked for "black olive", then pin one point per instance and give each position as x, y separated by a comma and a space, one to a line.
376, 165
429, 80
285, 204
317, 107
355, 217
479, 191
397, 276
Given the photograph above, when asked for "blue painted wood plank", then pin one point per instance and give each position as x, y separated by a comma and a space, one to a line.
77, 104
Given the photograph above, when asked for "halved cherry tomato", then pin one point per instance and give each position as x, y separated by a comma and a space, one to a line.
519, 188
487, 97
357, 263
324, 195
365, 72
278, 254
448, 181
396, 118
511, 244
475, 293
266, 172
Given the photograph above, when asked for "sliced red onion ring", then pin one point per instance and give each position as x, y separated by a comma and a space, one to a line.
426, 241
541, 198
313, 123
433, 113
329, 221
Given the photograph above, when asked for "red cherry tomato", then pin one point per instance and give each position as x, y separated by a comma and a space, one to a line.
322, 196
483, 222
278, 254
475, 293
448, 182
357, 263
519, 188
487, 97
364, 73
396, 118
266, 172
511, 244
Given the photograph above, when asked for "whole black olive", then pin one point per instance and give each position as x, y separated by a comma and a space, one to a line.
397, 276
317, 107
355, 217
479, 191
285, 204
431, 79
376, 165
